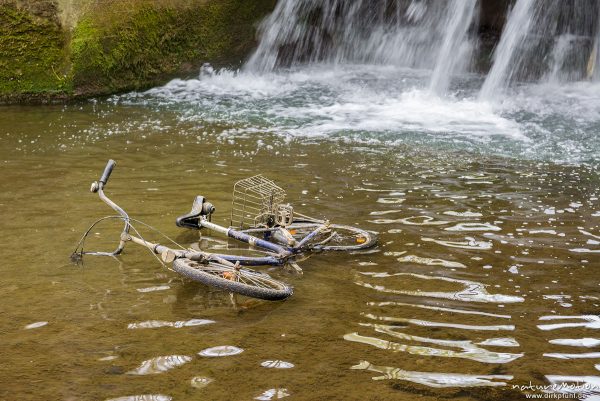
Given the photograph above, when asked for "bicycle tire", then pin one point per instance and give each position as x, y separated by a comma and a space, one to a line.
251, 283
349, 238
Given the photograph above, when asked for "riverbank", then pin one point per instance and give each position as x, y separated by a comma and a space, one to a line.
61, 50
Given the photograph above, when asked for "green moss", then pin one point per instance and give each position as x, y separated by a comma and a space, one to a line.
149, 44
114, 48
32, 58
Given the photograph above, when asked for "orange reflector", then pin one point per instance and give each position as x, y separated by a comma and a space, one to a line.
361, 240
293, 232
228, 275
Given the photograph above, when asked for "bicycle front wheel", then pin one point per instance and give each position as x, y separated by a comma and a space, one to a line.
242, 281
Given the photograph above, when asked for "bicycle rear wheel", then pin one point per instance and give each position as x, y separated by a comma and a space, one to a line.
242, 281
337, 238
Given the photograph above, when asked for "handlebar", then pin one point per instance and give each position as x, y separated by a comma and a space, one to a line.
107, 170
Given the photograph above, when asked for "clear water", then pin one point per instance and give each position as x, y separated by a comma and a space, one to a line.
485, 278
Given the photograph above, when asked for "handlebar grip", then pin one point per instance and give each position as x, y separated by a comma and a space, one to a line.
107, 170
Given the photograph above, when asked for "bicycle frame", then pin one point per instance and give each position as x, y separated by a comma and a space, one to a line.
167, 254
199, 218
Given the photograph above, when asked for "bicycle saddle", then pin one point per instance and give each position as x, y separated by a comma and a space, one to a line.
201, 209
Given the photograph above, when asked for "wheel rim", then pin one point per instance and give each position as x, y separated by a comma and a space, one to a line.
240, 275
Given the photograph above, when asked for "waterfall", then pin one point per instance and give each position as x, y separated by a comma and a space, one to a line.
421, 34
512, 37
456, 47
593, 65
545, 41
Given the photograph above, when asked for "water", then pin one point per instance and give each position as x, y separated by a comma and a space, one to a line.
455, 46
484, 260
545, 41
415, 34
483, 283
515, 32
390, 105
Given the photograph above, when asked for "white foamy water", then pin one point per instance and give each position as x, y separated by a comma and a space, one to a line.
388, 104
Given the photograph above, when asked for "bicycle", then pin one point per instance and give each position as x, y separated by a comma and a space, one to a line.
207, 268
261, 219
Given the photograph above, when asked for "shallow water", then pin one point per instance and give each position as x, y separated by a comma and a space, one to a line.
485, 277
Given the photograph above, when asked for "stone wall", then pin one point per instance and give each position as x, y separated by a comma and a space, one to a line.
54, 49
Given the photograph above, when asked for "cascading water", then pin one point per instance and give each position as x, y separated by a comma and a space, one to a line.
394, 71
546, 41
422, 34
456, 47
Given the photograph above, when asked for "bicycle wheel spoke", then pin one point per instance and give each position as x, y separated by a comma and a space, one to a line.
243, 281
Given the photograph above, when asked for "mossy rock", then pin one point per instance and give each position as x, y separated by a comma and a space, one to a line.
32, 52
113, 51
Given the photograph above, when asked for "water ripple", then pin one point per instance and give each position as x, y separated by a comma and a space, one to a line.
468, 349
160, 364
277, 364
431, 262
221, 350
473, 227
432, 379
472, 292
577, 342
35, 325
273, 394
590, 322
427, 323
200, 381
152, 324
470, 244
143, 397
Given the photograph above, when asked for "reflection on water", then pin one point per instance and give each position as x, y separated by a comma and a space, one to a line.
144, 397
221, 350
277, 364
468, 349
35, 325
200, 381
160, 364
431, 379
151, 324
273, 394
469, 291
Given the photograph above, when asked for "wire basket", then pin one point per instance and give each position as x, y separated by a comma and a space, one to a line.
255, 202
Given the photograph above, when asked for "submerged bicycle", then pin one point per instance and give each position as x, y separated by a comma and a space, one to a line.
283, 239
260, 218
199, 266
